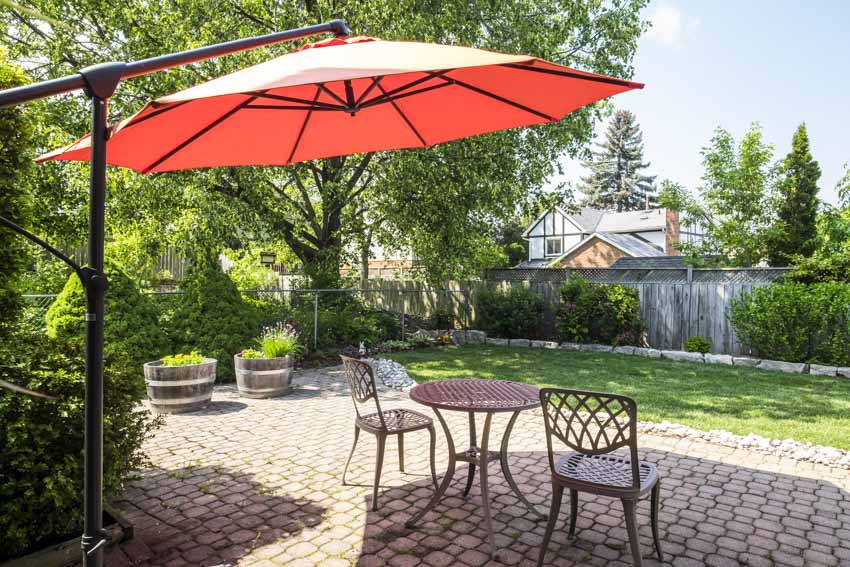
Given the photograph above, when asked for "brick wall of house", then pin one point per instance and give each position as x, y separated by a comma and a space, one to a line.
595, 254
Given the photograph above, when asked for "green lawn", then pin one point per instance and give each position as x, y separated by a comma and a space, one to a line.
704, 396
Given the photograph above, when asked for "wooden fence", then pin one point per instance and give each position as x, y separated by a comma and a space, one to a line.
676, 303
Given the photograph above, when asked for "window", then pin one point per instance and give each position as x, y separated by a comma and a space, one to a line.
554, 246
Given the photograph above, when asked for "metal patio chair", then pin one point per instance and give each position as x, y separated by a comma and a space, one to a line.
381, 424
594, 426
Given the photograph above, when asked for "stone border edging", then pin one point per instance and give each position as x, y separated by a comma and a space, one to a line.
676, 355
787, 448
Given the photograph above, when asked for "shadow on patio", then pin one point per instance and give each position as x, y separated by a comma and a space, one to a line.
208, 515
712, 513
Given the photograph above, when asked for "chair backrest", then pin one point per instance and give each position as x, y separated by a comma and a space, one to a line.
591, 423
361, 383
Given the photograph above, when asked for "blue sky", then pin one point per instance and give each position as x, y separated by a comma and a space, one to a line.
727, 63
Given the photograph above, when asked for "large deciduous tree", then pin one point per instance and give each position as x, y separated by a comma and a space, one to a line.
436, 202
798, 203
734, 208
617, 180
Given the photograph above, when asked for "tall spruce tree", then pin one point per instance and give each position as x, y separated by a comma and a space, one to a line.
617, 180
798, 204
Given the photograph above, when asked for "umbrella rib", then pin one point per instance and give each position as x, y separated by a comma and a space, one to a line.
406, 119
572, 75
285, 107
382, 99
303, 126
393, 92
375, 81
333, 94
199, 133
299, 100
155, 113
502, 99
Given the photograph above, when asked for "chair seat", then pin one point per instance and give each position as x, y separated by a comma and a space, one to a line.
608, 470
397, 420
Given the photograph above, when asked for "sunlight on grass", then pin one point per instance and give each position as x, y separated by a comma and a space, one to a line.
740, 400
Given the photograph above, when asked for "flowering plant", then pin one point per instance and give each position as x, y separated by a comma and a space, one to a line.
182, 359
251, 353
280, 340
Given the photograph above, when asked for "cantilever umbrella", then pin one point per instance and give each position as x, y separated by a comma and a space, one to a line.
346, 95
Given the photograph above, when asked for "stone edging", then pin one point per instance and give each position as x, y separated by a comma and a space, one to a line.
788, 448
677, 355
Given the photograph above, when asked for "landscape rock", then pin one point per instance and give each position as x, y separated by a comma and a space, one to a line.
624, 350
544, 344
821, 370
469, 337
570, 346
843, 371
497, 342
391, 373
682, 356
712, 358
520, 342
647, 352
596, 348
782, 448
782, 366
745, 361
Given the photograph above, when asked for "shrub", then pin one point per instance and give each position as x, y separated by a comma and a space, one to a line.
132, 335
796, 322
513, 314
348, 323
211, 317
41, 441
442, 318
698, 344
600, 313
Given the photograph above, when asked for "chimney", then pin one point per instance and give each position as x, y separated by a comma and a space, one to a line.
671, 232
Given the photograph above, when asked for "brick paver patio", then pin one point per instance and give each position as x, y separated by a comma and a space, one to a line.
257, 482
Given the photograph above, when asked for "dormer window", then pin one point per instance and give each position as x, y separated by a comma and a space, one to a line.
554, 246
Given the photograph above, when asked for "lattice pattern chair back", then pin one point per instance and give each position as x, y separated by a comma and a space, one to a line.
590, 423
361, 382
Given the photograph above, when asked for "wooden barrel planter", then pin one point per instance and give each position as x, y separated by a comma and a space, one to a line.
180, 389
263, 377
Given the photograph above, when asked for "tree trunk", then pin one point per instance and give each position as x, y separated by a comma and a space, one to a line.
365, 249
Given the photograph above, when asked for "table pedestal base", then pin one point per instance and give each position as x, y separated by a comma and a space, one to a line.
480, 457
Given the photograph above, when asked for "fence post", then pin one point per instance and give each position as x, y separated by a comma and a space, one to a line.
690, 278
315, 320
403, 311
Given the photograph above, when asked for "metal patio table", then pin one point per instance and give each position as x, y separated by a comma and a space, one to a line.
477, 395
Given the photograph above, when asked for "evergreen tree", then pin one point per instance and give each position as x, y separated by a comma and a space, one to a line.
616, 180
798, 207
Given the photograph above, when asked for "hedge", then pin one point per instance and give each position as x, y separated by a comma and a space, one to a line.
600, 313
796, 322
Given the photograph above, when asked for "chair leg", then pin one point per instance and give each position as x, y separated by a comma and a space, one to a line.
554, 509
573, 512
433, 456
351, 454
631, 527
401, 452
382, 442
653, 511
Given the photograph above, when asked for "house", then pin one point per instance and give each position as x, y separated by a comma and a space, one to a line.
595, 238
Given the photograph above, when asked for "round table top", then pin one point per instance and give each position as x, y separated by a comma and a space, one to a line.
476, 395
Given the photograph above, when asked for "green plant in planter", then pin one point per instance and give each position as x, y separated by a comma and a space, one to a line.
279, 341
698, 344
182, 359
250, 353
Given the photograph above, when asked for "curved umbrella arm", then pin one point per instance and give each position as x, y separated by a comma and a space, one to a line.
33, 238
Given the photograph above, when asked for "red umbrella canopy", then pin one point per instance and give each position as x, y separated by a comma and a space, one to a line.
343, 96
